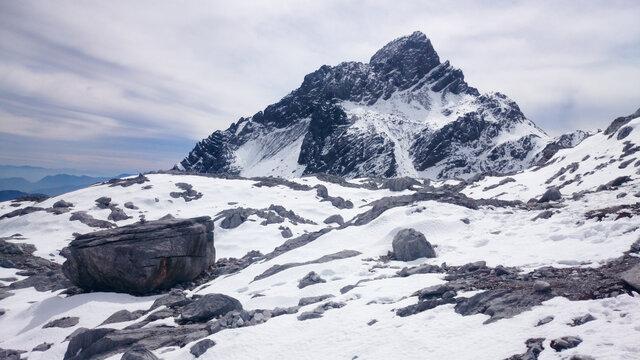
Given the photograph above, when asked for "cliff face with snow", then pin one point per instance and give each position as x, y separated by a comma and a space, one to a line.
405, 113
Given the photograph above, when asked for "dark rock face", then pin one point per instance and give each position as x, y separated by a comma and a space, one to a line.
142, 257
201, 347
209, 307
620, 122
409, 244
406, 71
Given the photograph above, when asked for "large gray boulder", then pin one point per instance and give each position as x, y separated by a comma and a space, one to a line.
142, 257
553, 194
410, 244
209, 307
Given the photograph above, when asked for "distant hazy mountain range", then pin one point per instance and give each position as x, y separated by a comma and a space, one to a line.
51, 185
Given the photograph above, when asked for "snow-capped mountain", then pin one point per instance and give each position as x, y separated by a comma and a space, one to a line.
405, 113
542, 264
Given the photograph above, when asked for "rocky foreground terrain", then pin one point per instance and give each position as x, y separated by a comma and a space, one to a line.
538, 264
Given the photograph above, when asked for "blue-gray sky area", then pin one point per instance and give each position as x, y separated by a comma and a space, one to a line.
124, 86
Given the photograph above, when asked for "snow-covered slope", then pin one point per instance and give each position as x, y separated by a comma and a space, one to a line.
596, 161
579, 246
404, 113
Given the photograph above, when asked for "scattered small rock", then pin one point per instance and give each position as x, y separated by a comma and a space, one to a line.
118, 214
129, 205
534, 348
286, 233
310, 279
582, 319
103, 202
543, 215
139, 353
43, 347
541, 286
201, 347
552, 194
545, 320
313, 299
566, 342
62, 204
334, 219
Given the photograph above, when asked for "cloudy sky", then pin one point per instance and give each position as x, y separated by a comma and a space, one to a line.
113, 86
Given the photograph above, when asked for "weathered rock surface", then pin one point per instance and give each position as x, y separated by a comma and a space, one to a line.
632, 277
122, 316
89, 220
400, 184
62, 204
201, 347
334, 219
409, 244
102, 343
310, 279
64, 322
553, 194
142, 257
140, 179
566, 342
118, 214
208, 307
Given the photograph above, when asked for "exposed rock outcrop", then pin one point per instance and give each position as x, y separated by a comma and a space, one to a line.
142, 257
409, 244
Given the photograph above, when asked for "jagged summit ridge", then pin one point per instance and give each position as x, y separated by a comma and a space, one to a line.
405, 113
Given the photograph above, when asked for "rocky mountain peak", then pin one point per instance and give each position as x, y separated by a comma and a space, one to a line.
412, 54
405, 113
